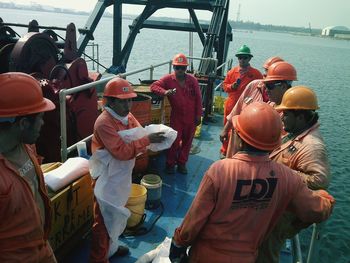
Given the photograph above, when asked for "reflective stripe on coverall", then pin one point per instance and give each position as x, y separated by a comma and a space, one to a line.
106, 137
238, 202
22, 237
233, 95
186, 108
307, 155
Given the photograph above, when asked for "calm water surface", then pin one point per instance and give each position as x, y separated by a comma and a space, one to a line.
323, 64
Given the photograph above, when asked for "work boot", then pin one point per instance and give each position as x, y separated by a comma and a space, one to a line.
122, 251
181, 168
169, 169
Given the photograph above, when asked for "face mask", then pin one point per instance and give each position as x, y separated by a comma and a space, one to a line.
123, 120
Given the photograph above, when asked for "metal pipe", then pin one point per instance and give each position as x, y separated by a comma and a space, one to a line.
298, 249
98, 58
38, 26
151, 70
312, 243
62, 98
93, 55
170, 66
74, 146
105, 80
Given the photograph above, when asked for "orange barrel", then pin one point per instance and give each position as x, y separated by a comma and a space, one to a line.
141, 109
156, 112
141, 163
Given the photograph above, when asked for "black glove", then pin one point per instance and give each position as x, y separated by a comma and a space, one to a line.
177, 254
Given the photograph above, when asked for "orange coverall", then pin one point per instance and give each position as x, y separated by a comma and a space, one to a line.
22, 235
238, 202
245, 76
306, 154
106, 137
255, 91
186, 108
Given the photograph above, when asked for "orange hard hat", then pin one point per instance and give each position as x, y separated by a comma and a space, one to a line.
259, 125
119, 88
180, 60
298, 98
271, 61
21, 94
281, 71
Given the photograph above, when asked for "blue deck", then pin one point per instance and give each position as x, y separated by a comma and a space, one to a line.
177, 193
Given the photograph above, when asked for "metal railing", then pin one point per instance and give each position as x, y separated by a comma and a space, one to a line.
315, 236
95, 56
64, 92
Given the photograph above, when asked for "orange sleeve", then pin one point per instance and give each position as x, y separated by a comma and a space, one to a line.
313, 167
311, 206
115, 144
159, 87
229, 80
198, 214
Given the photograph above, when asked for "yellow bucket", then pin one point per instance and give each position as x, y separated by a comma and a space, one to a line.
136, 204
218, 106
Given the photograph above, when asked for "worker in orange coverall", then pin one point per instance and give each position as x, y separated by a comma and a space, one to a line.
304, 151
25, 211
235, 83
116, 117
241, 198
185, 99
255, 90
279, 78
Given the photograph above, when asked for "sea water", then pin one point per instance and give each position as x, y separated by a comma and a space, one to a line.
322, 64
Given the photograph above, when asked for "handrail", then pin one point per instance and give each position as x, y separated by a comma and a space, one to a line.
64, 92
314, 237
62, 97
298, 249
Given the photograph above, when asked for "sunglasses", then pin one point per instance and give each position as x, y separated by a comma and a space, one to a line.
180, 67
271, 86
243, 57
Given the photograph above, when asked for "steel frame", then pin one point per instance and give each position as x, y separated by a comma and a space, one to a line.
215, 37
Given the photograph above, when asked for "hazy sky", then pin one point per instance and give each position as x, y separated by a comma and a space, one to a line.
320, 13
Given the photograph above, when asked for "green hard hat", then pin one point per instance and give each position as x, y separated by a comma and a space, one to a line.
243, 50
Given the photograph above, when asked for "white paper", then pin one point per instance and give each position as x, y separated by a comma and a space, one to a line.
169, 133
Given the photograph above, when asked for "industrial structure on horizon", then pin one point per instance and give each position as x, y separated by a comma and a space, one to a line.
336, 31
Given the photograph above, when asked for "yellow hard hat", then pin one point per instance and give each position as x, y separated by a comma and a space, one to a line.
298, 98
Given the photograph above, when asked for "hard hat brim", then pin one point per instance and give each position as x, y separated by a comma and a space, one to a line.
245, 54
126, 96
43, 106
48, 106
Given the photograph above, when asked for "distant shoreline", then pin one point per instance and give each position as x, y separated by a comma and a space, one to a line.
40, 8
